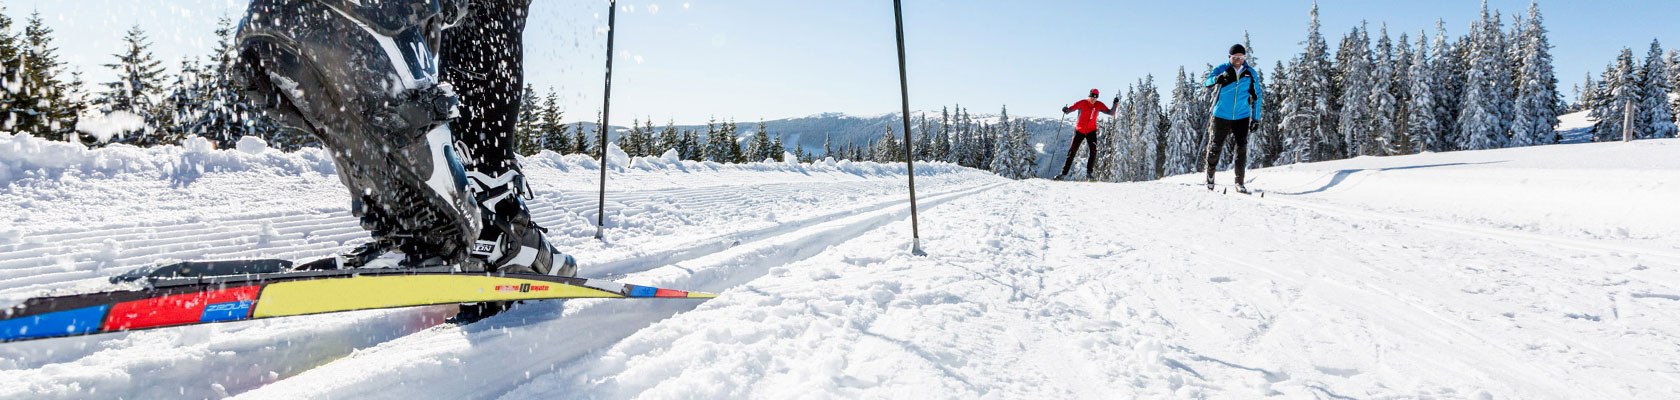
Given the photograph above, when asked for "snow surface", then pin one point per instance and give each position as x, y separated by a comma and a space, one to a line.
1541, 272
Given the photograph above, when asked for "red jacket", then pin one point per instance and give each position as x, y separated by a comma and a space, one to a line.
1088, 109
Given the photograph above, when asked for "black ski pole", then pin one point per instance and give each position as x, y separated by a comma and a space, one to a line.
606, 108
909, 162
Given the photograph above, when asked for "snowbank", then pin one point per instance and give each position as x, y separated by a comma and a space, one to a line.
24, 157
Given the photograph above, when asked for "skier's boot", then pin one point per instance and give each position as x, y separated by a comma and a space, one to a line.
510, 242
364, 81
1061, 177
1210, 183
1242, 189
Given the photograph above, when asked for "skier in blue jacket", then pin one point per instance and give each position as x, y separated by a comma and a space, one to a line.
1235, 111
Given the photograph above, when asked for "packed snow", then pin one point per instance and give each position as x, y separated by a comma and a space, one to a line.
1540, 272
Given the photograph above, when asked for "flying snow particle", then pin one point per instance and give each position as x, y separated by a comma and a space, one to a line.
638, 59
653, 9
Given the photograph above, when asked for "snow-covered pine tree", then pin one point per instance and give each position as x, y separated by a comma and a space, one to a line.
1423, 118
10, 50
778, 150
1479, 120
48, 108
1355, 109
1618, 89
1307, 115
137, 89
924, 140
1656, 117
1536, 113
628, 141
1146, 125
1002, 151
1386, 137
758, 148
527, 128
669, 139
581, 143
1674, 81
1277, 88
1449, 60
1400, 87
184, 104
1181, 154
828, 146
942, 141
554, 130
1027, 153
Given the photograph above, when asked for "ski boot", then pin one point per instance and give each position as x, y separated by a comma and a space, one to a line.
1061, 177
1210, 183
364, 81
510, 242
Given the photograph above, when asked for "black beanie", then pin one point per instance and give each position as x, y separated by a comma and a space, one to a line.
1238, 48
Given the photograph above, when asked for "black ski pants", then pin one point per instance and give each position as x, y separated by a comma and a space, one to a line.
483, 58
1073, 149
1238, 132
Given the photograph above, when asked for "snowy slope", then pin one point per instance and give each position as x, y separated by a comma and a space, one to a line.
1543, 272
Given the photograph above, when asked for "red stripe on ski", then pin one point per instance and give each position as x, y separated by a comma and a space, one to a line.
670, 293
174, 310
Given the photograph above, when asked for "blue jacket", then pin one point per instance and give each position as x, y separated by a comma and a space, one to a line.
1240, 99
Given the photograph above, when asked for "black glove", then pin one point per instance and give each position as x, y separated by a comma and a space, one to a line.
1116, 101
1066, 110
1226, 78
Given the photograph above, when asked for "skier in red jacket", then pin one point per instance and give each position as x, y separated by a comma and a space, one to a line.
1085, 129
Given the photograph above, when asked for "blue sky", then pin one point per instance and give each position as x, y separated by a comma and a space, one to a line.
752, 59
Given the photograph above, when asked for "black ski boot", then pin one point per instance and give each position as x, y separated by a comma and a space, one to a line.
363, 80
510, 242
1210, 183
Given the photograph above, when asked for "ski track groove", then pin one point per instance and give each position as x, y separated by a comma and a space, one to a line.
729, 267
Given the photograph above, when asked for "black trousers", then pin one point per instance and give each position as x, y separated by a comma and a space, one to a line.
1073, 149
483, 58
1238, 132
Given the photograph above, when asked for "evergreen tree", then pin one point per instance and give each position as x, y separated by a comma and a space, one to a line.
1400, 85
186, 104
1655, 118
554, 130
580, 140
759, 148
1674, 81
732, 133
1279, 90
1385, 133
1619, 89
717, 143
669, 139
1307, 114
1479, 122
1182, 154
1423, 119
1355, 109
527, 129
887, 150
138, 89
778, 150
44, 105
10, 53
828, 146
1449, 78
1536, 112
942, 142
